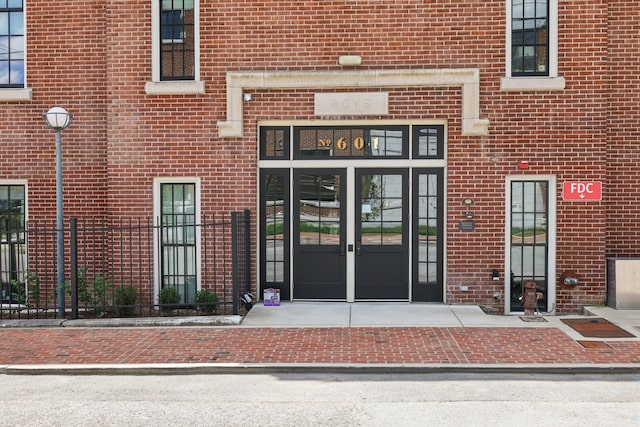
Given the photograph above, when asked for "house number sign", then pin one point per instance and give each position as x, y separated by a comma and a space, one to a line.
343, 143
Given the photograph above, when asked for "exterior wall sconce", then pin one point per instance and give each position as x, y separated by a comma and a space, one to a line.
247, 97
468, 202
350, 60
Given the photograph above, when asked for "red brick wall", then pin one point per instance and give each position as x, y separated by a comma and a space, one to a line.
101, 59
65, 67
623, 152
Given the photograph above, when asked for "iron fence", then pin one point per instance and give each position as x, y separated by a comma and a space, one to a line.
128, 268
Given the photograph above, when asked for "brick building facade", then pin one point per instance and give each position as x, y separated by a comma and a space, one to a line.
410, 148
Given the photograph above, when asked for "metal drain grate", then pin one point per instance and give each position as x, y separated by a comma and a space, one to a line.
597, 328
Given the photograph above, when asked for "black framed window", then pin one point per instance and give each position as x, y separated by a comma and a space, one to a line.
351, 142
274, 230
428, 234
178, 241
428, 142
530, 38
177, 34
274, 143
529, 244
13, 253
12, 208
12, 43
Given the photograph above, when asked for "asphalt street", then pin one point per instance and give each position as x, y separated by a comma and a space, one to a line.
321, 400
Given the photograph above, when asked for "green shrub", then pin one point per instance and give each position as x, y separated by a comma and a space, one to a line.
100, 285
125, 298
169, 298
26, 293
91, 292
206, 301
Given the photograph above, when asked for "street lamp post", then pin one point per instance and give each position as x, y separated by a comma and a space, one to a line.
58, 119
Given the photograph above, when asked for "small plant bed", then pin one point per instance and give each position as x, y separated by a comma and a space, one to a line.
131, 311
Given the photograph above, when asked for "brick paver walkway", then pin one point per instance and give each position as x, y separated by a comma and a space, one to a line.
361, 345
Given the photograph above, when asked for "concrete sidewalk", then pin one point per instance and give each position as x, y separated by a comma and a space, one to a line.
384, 314
359, 337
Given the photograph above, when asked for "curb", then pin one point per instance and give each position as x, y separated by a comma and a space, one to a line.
264, 369
234, 320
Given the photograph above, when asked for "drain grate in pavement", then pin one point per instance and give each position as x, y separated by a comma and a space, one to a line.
597, 328
594, 344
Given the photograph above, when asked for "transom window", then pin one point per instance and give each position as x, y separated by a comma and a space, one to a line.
530, 38
352, 142
177, 44
12, 43
274, 142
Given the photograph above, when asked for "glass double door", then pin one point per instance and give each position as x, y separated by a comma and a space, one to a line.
350, 234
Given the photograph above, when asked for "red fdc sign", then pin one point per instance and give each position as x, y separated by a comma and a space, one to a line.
582, 190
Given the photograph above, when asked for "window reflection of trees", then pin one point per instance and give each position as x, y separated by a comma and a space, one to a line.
381, 202
319, 209
529, 37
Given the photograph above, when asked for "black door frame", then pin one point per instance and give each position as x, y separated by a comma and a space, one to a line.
281, 152
320, 270
382, 270
268, 220
426, 290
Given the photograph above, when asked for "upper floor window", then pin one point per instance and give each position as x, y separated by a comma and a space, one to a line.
177, 40
530, 38
175, 48
532, 46
12, 43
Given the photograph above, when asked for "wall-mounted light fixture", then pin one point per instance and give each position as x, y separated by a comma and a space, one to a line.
495, 275
467, 203
247, 97
350, 60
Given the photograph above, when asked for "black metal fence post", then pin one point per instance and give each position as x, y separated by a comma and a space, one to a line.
247, 251
235, 286
73, 258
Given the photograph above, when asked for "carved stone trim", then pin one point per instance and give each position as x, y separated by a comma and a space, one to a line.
467, 78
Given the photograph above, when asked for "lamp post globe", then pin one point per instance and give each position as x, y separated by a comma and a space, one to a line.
57, 118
